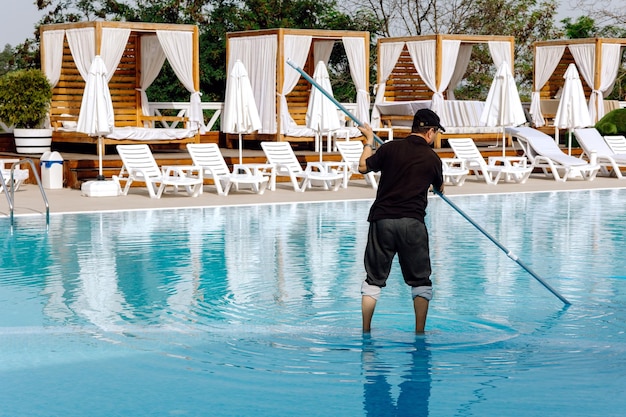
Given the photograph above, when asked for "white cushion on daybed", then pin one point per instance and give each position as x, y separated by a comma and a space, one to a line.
148, 133
140, 133
460, 116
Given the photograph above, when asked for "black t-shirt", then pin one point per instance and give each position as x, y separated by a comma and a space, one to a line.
408, 167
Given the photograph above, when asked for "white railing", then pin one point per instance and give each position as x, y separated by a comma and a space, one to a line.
216, 108
156, 108
5, 128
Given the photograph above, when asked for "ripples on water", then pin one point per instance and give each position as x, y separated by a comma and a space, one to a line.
247, 310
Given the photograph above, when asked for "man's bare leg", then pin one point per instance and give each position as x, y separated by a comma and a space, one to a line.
368, 304
420, 305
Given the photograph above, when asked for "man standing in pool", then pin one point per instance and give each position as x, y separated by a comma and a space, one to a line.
408, 168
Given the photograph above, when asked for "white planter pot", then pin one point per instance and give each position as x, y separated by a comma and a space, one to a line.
34, 141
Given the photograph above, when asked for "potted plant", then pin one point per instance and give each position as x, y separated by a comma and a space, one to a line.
25, 97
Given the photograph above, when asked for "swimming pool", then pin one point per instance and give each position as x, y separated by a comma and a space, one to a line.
255, 310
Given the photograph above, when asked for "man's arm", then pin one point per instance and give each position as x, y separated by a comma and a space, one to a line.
438, 184
368, 148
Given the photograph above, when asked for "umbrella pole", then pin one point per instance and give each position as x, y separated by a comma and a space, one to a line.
330, 97
100, 176
503, 248
569, 141
556, 135
240, 149
321, 142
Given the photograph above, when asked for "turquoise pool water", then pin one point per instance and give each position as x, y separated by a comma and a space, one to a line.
255, 310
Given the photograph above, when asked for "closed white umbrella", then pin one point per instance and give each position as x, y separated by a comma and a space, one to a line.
96, 117
240, 112
503, 107
321, 114
572, 112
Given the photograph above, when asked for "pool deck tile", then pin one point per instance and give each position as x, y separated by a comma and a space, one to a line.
28, 199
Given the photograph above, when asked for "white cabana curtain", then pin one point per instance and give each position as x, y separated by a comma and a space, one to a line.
585, 56
423, 55
82, 43
258, 54
178, 48
390, 53
462, 61
355, 51
112, 47
83, 48
296, 49
52, 41
322, 51
611, 59
500, 52
152, 60
546, 60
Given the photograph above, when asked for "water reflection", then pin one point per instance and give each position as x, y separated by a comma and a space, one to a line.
174, 266
414, 384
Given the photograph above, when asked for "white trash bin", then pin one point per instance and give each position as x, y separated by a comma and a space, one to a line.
51, 170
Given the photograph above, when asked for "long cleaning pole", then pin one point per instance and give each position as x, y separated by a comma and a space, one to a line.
501, 246
329, 96
454, 206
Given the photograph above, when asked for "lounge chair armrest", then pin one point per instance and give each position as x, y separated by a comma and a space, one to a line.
183, 171
242, 169
509, 161
457, 163
316, 166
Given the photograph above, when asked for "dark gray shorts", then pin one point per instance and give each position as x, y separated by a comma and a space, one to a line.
406, 237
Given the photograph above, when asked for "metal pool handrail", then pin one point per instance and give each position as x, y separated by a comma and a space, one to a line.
11, 197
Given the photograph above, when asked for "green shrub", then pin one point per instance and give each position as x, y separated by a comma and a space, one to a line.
613, 123
25, 97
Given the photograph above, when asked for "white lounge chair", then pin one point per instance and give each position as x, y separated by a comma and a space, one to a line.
209, 157
139, 165
592, 142
514, 169
280, 154
544, 153
617, 143
454, 171
351, 154
19, 174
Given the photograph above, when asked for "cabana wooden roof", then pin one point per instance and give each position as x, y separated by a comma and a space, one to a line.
124, 84
297, 99
555, 82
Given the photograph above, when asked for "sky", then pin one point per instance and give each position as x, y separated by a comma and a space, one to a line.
18, 19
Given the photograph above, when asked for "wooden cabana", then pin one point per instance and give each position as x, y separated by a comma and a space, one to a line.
281, 94
134, 54
597, 61
423, 71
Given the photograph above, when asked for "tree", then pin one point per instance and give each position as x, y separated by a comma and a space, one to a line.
584, 27
233, 16
7, 61
609, 16
527, 20
215, 18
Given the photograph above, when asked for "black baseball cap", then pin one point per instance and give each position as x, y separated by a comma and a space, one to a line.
426, 118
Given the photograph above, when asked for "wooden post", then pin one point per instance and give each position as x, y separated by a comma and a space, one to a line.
597, 79
280, 80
